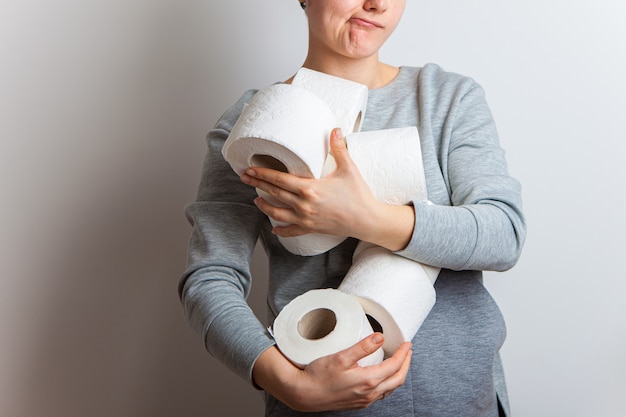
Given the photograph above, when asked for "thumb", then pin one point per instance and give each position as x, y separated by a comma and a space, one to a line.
366, 347
338, 147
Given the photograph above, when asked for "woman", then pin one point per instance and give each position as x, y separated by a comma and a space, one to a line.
452, 367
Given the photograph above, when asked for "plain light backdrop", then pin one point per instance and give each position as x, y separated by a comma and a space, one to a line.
104, 106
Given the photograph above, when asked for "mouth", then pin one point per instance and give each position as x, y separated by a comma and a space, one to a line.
366, 23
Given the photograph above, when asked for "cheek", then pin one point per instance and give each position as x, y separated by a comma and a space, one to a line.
325, 29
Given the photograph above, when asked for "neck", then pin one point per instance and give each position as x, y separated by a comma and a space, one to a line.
369, 71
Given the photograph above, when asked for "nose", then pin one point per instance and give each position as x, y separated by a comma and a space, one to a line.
376, 5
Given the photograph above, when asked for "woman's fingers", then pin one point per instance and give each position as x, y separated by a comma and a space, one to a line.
286, 198
337, 382
364, 348
281, 213
392, 371
271, 181
279, 188
388, 375
398, 369
339, 204
339, 149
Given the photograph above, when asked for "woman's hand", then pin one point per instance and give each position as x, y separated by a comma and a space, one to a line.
334, 382
339, 204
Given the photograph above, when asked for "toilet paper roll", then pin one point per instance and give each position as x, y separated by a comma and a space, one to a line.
347, 99
394, 291
390, 162
319, 323
284, 127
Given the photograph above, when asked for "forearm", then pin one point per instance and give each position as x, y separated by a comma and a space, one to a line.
219, 314
487, 236
217, 280
476, 221
274, 373
388, 226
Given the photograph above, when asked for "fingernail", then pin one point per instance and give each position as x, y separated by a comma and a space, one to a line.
245, 178
378, 338
251, 172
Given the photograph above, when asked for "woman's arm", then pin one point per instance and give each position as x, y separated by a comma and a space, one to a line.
339, 204
217, 280
479, 225
333, 382
482, 229
213, 290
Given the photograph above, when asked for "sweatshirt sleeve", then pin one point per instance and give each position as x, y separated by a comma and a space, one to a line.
482, 226
217, 280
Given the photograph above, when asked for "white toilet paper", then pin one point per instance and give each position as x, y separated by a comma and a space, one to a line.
319, 323
390, 162
347, 99
287, 127
283, 127
395, 291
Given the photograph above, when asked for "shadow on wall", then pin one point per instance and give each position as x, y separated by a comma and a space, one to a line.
112, 340
109, 337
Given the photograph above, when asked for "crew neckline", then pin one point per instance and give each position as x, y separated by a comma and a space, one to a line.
398, 79
391, 82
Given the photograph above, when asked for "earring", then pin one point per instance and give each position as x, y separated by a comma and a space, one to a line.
303, 5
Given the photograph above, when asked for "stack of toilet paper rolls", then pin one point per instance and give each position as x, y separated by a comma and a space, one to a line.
287, 127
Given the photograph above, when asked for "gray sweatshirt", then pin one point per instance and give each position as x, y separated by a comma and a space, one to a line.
475, 224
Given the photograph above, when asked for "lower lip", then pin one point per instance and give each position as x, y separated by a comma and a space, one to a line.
364, 23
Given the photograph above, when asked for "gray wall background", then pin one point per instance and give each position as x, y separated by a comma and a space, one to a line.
104, 106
